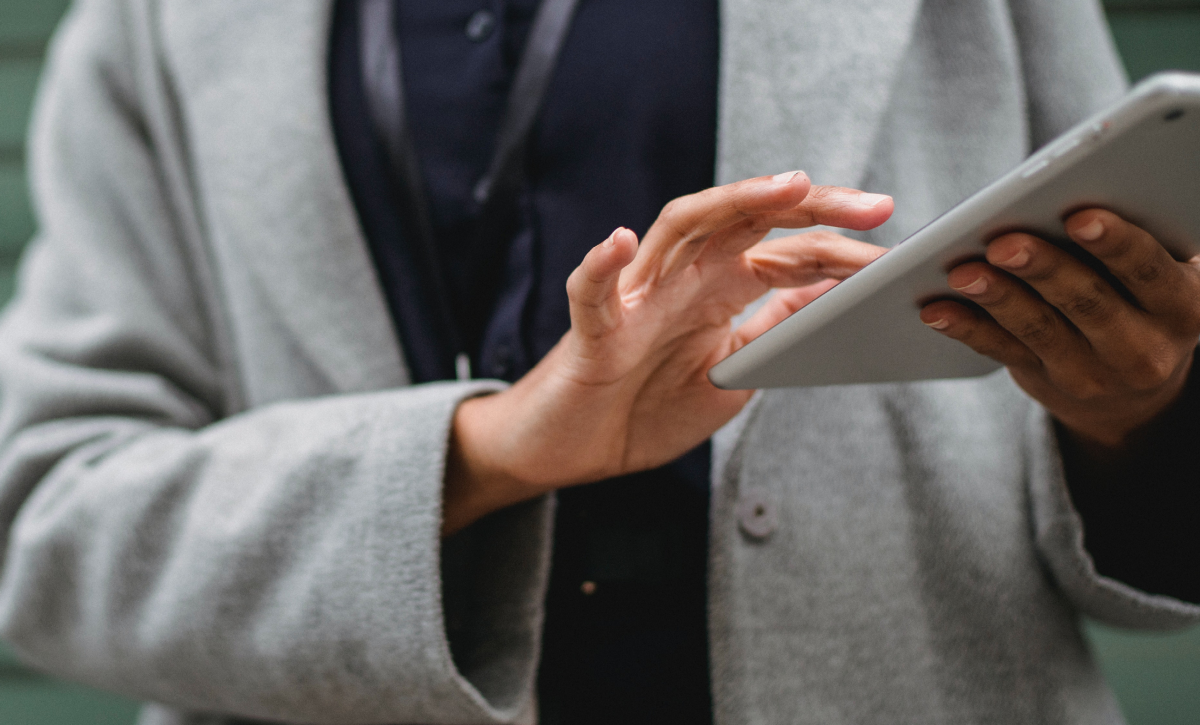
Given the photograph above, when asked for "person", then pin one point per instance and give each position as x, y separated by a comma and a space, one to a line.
238, 479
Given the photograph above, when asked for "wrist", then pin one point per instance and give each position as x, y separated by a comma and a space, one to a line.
1121, 426
476, 481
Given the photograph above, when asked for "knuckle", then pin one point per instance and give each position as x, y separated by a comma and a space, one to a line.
1000, 293
742, 203
755, 225
581, 288
1149, 370
675, 216
1039, 329
749, 225
1042, 270
817, 193
1119, 245
983, 343
671, 209
1090, 304
1147, 272
573, 285
678, 228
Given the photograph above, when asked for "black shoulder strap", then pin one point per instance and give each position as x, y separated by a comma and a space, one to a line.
384, 87
546, 37
383, 83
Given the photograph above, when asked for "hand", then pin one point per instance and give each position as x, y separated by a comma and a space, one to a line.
626, 387
1104, 365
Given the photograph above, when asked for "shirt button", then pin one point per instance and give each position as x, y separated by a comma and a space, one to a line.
588, 588
756, 515
480, 25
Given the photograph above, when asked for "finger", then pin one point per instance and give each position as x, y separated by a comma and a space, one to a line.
1092, 305
685, 224
1159, 283
592, 287
745, 211
980, 332
780, 306
1021, 312
803, 259
832, 206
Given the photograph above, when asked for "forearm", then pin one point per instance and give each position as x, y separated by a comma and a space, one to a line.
475, 484
541, 434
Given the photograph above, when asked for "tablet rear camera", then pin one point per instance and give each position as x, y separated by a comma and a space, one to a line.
1174, 115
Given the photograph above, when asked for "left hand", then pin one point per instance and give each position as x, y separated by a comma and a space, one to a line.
1105, 366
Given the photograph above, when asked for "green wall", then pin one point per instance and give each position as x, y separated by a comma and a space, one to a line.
27, 698
1157, 678
24, 26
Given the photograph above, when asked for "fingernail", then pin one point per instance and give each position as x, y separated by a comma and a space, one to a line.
1020, 259
978, 287
786, 177
1091, 232
939, 324
872, 200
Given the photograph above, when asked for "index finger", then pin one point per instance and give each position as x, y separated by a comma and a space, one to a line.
688, 221
832, 206
742, 213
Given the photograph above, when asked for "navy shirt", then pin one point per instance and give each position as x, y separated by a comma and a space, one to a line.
628, 123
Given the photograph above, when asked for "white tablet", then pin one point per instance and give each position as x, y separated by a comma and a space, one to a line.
1139, 159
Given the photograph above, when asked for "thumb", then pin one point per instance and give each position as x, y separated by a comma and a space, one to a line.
592, 287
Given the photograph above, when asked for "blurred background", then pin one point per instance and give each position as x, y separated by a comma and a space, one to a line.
1156, 677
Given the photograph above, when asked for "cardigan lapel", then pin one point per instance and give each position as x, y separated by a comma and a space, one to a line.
804, 84
255, 87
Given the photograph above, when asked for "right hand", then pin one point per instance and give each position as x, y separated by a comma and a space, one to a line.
626, 387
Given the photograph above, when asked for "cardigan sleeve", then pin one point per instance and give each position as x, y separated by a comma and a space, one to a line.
1059, 533
283, 563
1139, 507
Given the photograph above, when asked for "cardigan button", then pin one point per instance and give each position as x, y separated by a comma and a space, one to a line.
756, 515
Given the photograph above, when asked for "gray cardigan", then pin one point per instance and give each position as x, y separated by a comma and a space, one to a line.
218, 491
